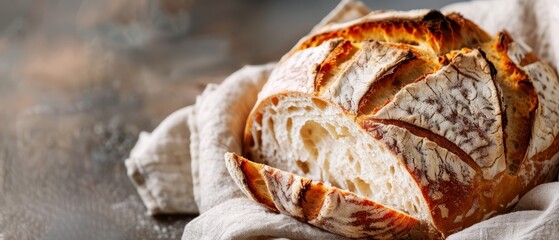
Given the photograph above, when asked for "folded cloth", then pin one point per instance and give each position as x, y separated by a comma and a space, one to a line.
242, 218
179, 167
160, 168
535, 216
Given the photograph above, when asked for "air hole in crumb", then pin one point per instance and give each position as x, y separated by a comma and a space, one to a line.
259, 119
303, 166
308, 108
310, 147
258, 136
364, 188
319, 103
271, 128
313, 134
357, 167
350, 186
350, 158
289, 124
409, 205
344, 132
333, 182
389, 186
275, 101
292, 109
392, 170
417, 203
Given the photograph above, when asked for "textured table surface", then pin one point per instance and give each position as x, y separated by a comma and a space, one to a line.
80, 79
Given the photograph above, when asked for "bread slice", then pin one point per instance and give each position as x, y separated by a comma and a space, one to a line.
420, 114
331, 208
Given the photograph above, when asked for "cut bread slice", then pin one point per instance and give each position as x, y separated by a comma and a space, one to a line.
330, 208
312, 138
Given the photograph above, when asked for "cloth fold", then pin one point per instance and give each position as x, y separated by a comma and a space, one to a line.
535, 216
241, 218
218, 124
179, 167
159, 166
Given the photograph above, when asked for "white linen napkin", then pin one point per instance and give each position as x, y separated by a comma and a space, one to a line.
179, 167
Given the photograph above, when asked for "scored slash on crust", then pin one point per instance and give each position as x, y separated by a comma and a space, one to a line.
326, 207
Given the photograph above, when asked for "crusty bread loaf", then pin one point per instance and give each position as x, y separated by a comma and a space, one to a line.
401, 124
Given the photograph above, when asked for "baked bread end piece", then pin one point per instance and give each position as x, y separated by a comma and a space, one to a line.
329, 208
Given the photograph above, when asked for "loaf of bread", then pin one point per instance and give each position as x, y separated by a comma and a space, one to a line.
401, 124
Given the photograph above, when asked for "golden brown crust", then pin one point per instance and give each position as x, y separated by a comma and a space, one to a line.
518, 95
333, 65
441, 33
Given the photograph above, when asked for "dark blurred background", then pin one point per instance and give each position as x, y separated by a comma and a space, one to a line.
79, 79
